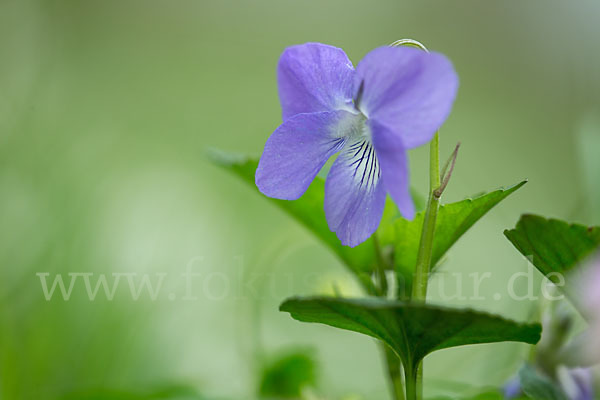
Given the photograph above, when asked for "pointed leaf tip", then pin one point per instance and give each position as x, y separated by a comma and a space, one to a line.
454, 219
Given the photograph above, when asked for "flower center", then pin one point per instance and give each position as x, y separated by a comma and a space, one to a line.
360, 130
352, 126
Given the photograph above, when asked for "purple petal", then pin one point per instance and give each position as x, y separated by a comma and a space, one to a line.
584, 382
584, 349
354, 196
394, 167
296, 152
314, 77
589, 281
577, 383
407, 89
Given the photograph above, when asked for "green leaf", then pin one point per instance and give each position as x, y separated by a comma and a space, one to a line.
453, 220
308, 210
412, 330
539, 387
288, 375
553, 245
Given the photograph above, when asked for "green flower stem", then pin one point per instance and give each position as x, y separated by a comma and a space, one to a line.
426, 246
424, 255
414, 378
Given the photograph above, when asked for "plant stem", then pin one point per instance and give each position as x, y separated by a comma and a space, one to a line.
410, 382
427, 234
424, 255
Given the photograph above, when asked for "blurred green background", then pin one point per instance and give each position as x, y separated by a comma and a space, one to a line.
107, 109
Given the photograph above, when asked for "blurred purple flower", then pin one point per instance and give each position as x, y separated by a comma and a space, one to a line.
395, 100
584, 349
589, 283
577, 383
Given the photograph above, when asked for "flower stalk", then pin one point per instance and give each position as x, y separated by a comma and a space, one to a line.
424, 255
437, 183
414, 378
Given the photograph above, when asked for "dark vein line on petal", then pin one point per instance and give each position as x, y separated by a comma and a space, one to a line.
371, 171
361, 146
337, 144
365, 169
359, 161
356, 145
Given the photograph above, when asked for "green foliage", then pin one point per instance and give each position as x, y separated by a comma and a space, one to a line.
553, 245
412, 330
288, 375
453, 220
394, 231
539, 387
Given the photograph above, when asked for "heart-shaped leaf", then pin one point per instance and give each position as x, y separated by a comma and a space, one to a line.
414, 329
553, 245
453, 220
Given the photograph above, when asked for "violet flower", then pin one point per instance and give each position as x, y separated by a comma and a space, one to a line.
395, 100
